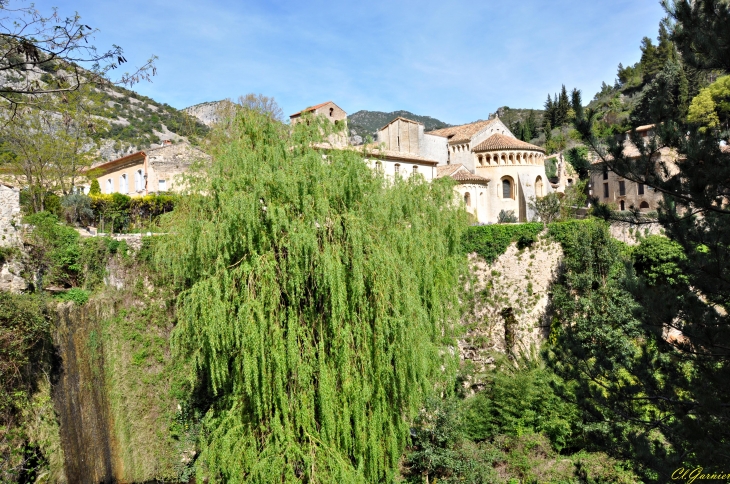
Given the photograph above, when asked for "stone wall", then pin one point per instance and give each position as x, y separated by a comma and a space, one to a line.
515, 287
9, 216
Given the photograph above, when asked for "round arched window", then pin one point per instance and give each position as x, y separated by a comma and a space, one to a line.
506, 188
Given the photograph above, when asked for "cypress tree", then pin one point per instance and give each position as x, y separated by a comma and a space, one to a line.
561, 115
549, 111
315, 297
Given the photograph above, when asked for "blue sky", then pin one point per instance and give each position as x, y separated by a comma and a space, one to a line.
456, 61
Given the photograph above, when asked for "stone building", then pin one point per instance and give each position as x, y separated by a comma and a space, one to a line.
333, 113
622, 194
494, 171
9, 215
157, 170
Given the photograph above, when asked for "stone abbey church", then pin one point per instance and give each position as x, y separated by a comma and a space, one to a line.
493, 169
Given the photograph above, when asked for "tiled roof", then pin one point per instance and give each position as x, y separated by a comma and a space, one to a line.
404, 156
499, 141
466, 176
447, 170
463, 132
311, 108
459, 173
401, 118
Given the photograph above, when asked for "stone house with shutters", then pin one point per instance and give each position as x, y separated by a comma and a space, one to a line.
153, 171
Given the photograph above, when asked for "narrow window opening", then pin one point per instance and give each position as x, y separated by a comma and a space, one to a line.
605, 190
641, 188
622, 188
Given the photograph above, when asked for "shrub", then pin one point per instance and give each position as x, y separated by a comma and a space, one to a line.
490, 241
95, 189
75, 294
507, 217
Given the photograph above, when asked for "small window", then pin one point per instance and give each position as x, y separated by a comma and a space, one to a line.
332, 110
378, 166
641, 188
397, 167
605, 190
506, 189
622, 205
605, 174
398, 141
622, 188
109, 186
162, 185
123, 185
467, 199
415, 169
644, 206
538, 187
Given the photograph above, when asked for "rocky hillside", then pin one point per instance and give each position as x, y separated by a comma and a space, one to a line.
363, 123
205, 112
137, 122
130, 121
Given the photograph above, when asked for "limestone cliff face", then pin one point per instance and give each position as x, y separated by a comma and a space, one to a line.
507, 301
206, 113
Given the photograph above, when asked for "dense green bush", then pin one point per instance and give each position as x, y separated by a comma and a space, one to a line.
24, 339
62, 258
519, 398
490, 241
118, 212
658, 259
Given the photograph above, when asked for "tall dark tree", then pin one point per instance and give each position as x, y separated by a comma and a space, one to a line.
549, 112
576, 103
687, 421
561, 114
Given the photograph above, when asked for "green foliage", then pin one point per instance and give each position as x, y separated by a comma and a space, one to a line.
546, 208
658, 259
551, 167
60, 257
442, 451
75, 294
314, 298
711, 107
578, 159
491, 241
506, 217
77, 209
24, 333
120, 213
54, 250
674, 388
519, 399
95, 189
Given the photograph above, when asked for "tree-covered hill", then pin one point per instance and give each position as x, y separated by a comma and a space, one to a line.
363, 123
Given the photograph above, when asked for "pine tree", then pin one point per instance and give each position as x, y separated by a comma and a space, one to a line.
314, 299
679, 386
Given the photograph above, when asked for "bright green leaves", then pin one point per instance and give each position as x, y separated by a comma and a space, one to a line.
712, 105
315, 295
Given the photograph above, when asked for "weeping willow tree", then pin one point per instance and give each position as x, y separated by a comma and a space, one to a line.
317, 301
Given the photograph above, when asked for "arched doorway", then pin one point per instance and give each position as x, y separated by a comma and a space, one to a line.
538, 187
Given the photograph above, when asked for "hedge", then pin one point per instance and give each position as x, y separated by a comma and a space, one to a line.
491, 241
118, 211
